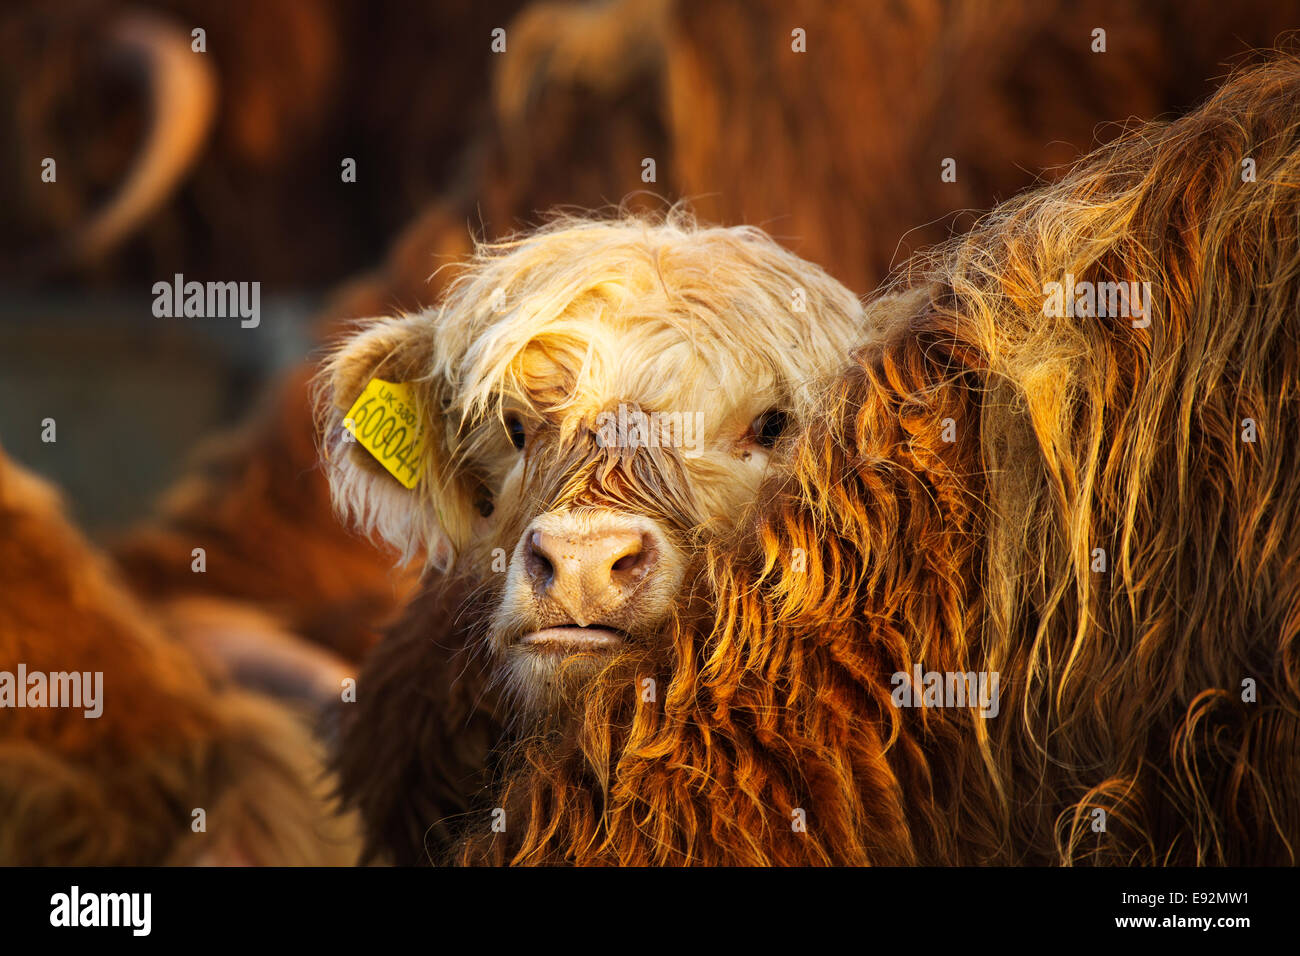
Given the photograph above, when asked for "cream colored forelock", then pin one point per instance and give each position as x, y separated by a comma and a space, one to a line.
642, 286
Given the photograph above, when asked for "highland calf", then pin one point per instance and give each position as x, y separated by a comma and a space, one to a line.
602, 397
1101, 512
560, 373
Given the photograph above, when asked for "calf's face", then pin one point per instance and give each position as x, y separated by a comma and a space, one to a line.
599, 398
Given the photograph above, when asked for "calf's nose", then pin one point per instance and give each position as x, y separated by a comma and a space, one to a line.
589, 568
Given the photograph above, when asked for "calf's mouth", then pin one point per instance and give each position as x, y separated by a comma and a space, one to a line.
572, 638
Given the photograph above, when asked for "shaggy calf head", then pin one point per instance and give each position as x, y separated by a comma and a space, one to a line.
599, 397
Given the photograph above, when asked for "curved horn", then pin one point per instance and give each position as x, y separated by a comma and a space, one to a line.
182, 105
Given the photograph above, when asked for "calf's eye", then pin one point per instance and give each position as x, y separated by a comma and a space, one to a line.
515, 429
769, 427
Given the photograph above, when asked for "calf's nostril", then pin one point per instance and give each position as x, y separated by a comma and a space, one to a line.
539, 564
636, 561
627, 562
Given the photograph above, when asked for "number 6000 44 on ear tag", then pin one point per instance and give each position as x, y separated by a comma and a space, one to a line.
386, 422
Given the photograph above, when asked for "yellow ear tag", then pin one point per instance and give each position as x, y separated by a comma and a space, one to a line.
386, 422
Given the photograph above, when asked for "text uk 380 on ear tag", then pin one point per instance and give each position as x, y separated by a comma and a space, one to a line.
386, 422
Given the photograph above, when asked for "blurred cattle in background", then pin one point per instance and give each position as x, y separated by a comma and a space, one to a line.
840, 149
120, 738
229, 160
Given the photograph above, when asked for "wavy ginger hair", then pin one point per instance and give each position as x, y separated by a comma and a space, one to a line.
1122, 689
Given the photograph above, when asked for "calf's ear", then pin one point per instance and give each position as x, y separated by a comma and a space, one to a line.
434, 515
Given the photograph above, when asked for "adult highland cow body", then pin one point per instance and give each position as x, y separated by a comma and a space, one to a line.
1098, 505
